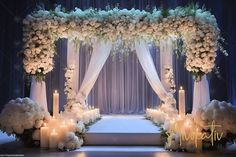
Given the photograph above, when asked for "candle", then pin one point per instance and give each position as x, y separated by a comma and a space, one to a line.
63, 129
53, 122
71, 125
55, 104
44, 130
198, 144
181, 102
53, 139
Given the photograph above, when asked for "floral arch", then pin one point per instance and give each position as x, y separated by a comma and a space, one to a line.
197, 28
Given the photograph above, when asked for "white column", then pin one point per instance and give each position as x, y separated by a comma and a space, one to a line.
201, 94
38, 93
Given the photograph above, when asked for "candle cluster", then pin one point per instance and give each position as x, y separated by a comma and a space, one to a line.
161, 114
177, 125
54, 131
64, 130
183, 134
90, 116
156, 115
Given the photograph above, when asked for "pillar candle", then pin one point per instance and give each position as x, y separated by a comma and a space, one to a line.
44, 131
71, 125
53, 139
199, 140
63, 129
181, 102
55, 104
53, 122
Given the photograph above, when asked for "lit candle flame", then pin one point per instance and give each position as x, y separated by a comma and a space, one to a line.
45, 124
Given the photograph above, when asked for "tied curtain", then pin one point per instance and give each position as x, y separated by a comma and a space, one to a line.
166, 60
147, 64
121, 86
101, 51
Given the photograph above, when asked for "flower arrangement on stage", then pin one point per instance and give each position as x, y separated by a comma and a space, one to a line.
31, 124
23, 117
87, 115
196, 27
70, 142
73, 138
223, 114
212, 126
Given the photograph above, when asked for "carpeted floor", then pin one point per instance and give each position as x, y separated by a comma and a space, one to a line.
123, 130
123, 124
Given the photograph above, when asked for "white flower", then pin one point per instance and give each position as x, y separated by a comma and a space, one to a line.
20, 114
80, 127
111, 25
70, 142
38, 123
61, 145
221, 112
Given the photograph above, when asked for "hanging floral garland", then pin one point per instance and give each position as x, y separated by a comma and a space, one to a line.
169, 77
68, 90
196, 27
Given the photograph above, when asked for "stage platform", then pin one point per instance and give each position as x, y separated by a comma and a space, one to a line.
123, 130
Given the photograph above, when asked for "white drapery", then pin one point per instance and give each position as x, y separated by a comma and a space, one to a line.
201, 94
38, 93
101, 51
148, 66
166, 55
73, 59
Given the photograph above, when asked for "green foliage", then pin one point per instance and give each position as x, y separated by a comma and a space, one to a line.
91, 123
163, 134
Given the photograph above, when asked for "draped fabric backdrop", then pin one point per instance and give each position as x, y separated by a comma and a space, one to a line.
12, 78
121, 86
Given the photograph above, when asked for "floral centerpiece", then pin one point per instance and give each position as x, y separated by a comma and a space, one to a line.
73, 140
23, 118
211, 127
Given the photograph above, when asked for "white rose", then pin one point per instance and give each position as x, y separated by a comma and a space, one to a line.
38, 123
61, 145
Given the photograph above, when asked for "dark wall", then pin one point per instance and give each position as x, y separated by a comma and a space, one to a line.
13, 81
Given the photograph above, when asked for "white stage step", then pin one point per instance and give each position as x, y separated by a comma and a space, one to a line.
115, 149
123, 130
